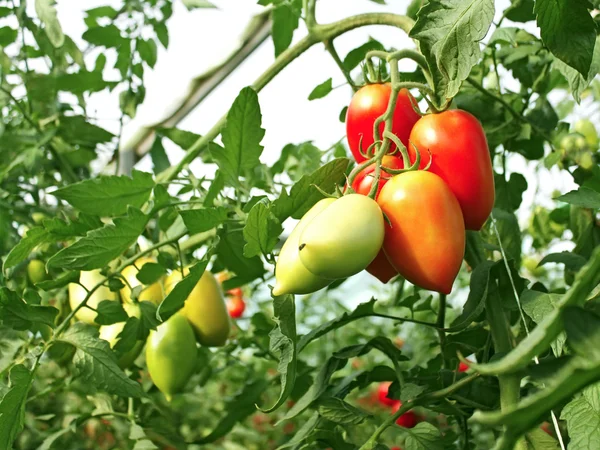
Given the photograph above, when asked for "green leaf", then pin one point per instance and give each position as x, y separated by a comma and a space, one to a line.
15, 313
241, 137
538, 305
150, 273
582, 415
20, 252
520, 11
584, 197
12, 406
97, 363
578, 82
108, 195
283, 341
356, 56
285, 19
321, 90
162, 33
304, 195
583, 332
449, 33
423, 437
261, 231
61, 281
176, 298
568, 30
182, 138
148, 51
101, 246
572, 261
204, 219
8, 35
510, 234
338, 411
160, 159
230, 251
110, 312
47, 14
480, 278
77, 130
108, 36
193, 4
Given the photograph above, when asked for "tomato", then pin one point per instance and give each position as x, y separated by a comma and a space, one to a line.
153, 293
236, 306
588, 130
36, 271
171, 355
461, 158
364, 179
291, 277
110, 333
344, 238
369, 103
205, 308
381, 268
425, 238
77, 294
547, 428
407, 420
235, 292
463, 367
395, 448
382, 394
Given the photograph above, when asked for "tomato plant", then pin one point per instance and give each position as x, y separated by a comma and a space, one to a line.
187, 284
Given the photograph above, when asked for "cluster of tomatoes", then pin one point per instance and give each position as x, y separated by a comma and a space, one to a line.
415, 226
171, 349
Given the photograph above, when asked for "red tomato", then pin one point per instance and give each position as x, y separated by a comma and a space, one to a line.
463, 367
363, 181
235, 292
395, 448
381, 268
461, 158
369, 103
408, 419
382, 392
547, 428
236, 306
425, 238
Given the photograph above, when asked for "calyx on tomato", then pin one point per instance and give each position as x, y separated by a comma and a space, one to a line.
368, 104
343, 239
291, 277
455, 144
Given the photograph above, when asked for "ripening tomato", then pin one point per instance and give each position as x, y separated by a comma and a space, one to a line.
425, 236
153, 293
463, 367
205, 308
236, 306
407, 420
77, 294
460, 156
344, 238
382, 392
369, 103
364, 179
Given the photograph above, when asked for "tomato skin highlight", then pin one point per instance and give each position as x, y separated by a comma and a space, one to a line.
369, 103
461, 157
425, 239
236, 306
382, 392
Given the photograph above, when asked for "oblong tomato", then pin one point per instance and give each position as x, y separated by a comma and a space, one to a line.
369, 103
425, 236
77, 294
460, 156
153, 293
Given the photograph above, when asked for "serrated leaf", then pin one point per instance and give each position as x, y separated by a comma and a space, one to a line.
424, 436
20, 252
577, 82
568, 30
12, 406
261, 231
538, 305
583, 332
204, 219
449, 33
108, 195
584, 197
321, 90
338, 411
46, 12
230, 251
285, 21
582, 415
241, 137
15, 313
110, 312
97, 364
99, 247
61, 281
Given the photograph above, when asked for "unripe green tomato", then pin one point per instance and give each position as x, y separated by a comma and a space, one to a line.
291, 277
585, 160
38, 217
36, 271
580, 142
205, 308
110, 333
531, 264
588, 130
152, 293
77, 294
344, 238
568, 143
171, 355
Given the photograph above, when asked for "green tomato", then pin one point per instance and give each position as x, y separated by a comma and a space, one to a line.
291, 277
588, 130
344, 238
77, 294
531, 264
205, 308
110, 333
38, 217
171, 355
152, 293
568, 143
36, 271
585, 160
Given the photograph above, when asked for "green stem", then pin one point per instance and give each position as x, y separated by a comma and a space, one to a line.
334, 54
441, 319
318, 34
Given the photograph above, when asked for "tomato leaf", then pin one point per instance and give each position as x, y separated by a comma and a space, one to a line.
148, 51
230, 252
478, 291
47, 14
424, 436
449, 32
177, 297
321, 90
204, 219
583, 332
572, 261
356, 56
578, 82
101, 246
20, 252
61, 281
261, 231
12, 406
150, 273
241, 137
285, 18
110, 312
338, 411
17, 314
108, 195
283, 340
538, 305
582, 415
97, 363
568, 30
584, 197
